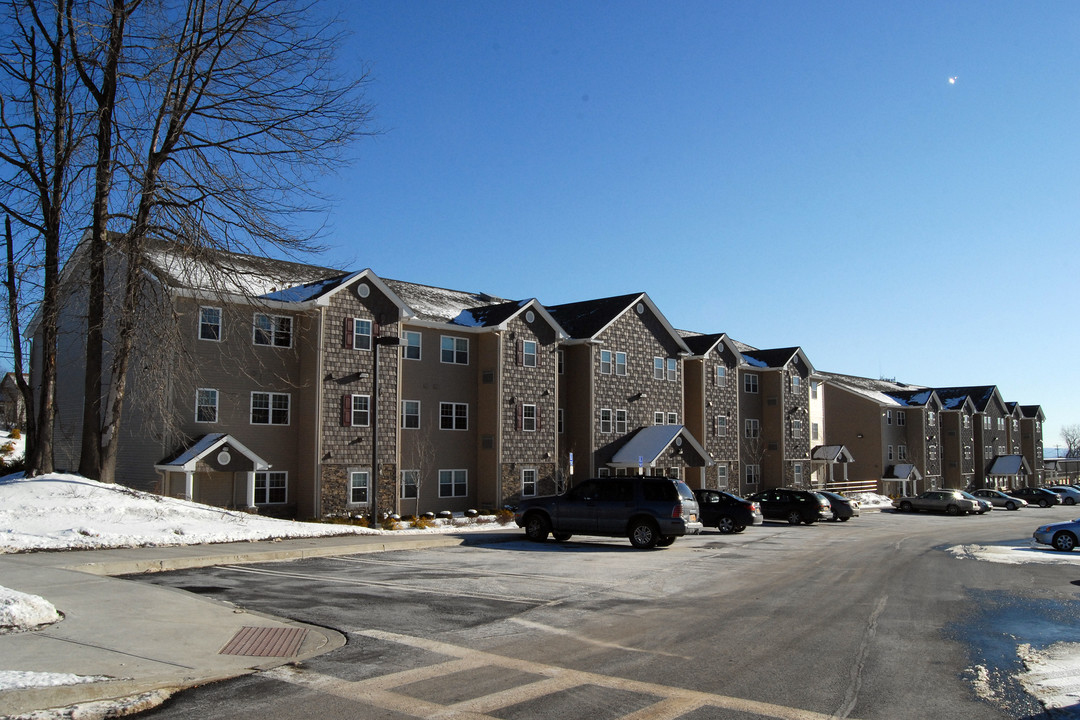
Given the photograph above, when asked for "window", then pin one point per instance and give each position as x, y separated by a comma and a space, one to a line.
987, 450
658, 368
815, 431
411, 348
453, 483
528, 353
672, 418
901, 418
753, 474
206, 405
931, 418
814, 389
210, 323
967, 452
931, 452
752, 429
798, 473
269, 408
796, 428
361, 331
528, 482
359, 411
410, 414
750, 383
562, 420
658, 418
721, 475
673, 472
560, 361
275, 330
672, 369
528, 418
358, 487
1001, 449
455, 350
721, 426
410, 484
605, 362
967, 421
453, 416
605, 420
620, 363
620, 422
271, 488
1001, 423
796, 383
721, 376
888, 417
901, 452
889, 453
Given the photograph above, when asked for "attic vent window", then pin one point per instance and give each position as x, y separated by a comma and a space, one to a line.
640, 308
530, 316
363, 290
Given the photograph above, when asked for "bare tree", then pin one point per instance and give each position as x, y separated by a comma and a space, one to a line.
1070, 435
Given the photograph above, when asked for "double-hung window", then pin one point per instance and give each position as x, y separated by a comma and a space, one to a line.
721, 376
605, 420
209, 323
901, 418
454, 350
672, 369
901, 452
620, 363
359, 414
620, 422
271, 488
273, 330
361, 334
453, 483
410, 414
528, 353
796, 428
269, 408
528, 417
752, 429
658, 368
721, 426
410, 484
206, 405
528, 482
453, 416
605, 362
411, 347
358, 487
750, 383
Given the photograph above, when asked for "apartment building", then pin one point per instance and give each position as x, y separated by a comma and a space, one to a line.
712, 407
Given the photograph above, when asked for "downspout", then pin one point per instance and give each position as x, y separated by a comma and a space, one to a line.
499, 347
317, 441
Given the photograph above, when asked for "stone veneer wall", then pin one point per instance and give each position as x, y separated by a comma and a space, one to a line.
511, 480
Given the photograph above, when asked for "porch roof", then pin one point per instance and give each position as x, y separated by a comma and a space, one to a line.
650, 442
1009, 465
903, 471
189, 457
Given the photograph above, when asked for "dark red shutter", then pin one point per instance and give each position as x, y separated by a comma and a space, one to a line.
346, 410
539, 415
349, 326
375, 332
520, 352
520, 416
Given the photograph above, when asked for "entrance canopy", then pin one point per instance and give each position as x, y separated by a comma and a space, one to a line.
202, 448
649, 443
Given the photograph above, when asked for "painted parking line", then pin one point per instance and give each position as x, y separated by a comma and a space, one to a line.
671, 702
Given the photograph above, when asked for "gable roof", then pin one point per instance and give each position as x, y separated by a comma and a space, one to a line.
1033, 412
776, 358
1009, 465
979, 395
651, 441
586, 319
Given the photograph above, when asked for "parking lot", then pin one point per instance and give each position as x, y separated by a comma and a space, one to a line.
866, 619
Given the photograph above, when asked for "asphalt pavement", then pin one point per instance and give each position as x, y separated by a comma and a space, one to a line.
151, 641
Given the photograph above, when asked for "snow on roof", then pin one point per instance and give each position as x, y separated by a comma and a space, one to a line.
439, 304
307, 291
884, 392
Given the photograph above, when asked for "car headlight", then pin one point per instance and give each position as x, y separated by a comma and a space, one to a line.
1042, 529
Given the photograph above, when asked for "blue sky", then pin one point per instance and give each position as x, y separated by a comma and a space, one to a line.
790, 173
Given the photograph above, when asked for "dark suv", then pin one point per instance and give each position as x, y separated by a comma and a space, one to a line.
726, 512
795, 506
651, 511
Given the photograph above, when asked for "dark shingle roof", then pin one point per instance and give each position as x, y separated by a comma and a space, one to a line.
587, 318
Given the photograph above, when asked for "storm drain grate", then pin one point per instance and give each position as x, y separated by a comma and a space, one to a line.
265, 642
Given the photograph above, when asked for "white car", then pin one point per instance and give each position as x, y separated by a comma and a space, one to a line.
1000, 499
1069, 495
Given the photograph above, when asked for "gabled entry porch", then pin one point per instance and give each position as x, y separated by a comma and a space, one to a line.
215, 469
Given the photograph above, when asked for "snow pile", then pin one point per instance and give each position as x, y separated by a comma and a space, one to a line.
17, 450
21, 679
20, 611
1013, 554
1053, 676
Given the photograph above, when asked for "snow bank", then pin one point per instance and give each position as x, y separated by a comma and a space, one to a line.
1053, 676
20, 611
1014, 554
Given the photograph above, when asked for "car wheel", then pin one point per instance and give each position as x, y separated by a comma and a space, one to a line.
794, 518
1044, 503
1064, 541
644, 534
537, 527
739, 528
561, 536
1070, 501
726, 524
952, 510
905, 507
665, 541
844, 519
1010, 505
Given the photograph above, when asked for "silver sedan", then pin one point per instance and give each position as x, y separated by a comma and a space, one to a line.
1000, 499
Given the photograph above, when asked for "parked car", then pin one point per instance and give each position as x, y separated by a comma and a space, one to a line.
950, 502
1000, 499
726, 512
1061, 536
1069, 495
843, 507
982, 505
1037, 496
649, 510
795, 506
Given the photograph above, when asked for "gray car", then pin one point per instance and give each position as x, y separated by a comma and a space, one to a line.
950, 502
1000, 499
649, 510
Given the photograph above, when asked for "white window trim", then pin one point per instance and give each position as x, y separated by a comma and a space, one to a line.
620, 364
408, 346
360, 339
219, 325
415, 485
621, 423
456, 339
270, 408
217, 400
453, 482
529, 359
255, 329
606, 362
366, 472
526, 420
535, 481
454, 416
404, 426
366, 411
751, 379
283, 475
607, 419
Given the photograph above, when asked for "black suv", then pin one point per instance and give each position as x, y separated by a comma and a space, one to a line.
726, 512
651, 511
795, 506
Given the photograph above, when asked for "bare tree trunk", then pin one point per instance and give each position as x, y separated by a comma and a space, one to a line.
15, 328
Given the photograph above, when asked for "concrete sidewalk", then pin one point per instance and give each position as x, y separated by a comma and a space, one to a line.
151, 639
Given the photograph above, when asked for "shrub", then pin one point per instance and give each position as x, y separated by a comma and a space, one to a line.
16, 433
504, 516
423, 522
